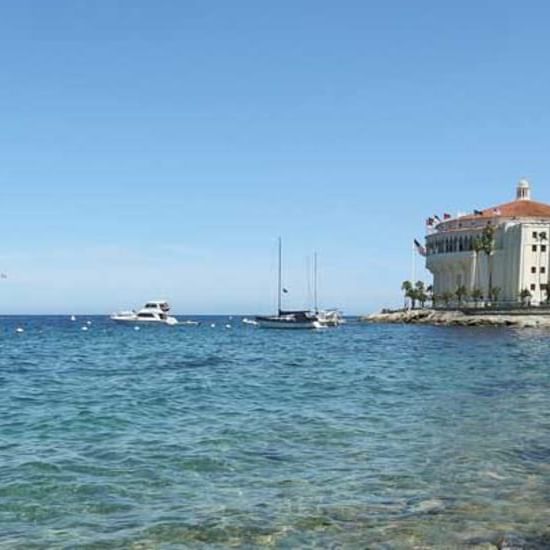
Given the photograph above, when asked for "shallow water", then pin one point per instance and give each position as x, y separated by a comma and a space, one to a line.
365, 436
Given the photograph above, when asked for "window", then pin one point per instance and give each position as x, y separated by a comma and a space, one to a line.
543, 248
533, 287
535, 235
543, 286
533, 269
534, 248
542, 235
543, 269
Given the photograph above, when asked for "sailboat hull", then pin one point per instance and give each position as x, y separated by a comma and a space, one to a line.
282, 323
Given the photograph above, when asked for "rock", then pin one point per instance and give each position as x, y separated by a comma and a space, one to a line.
512, 541
431, 506
457, 318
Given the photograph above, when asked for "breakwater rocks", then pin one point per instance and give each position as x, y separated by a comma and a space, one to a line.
460, 318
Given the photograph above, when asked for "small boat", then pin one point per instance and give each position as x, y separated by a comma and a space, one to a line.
330, 317
301, 319
327, 317
248, 321
190, 323
155, 311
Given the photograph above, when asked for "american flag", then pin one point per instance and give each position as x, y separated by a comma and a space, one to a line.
419, 248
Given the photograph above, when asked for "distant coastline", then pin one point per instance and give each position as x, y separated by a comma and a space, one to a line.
513, 318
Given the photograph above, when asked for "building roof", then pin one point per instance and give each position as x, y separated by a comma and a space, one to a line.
513, 209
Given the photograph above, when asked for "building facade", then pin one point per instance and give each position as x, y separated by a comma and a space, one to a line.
519, 258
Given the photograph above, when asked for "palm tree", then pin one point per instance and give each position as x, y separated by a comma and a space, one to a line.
406, 287
461, 292
447, 297
477, 295
495, 291
420, 293
525, 296
487, 246
430, 294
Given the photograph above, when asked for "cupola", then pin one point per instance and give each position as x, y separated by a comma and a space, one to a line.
523, 190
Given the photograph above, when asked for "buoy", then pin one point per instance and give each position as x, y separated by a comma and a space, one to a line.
228, 326
88, 322
213, 325
136, 328
19, 329
73, 318
84, 328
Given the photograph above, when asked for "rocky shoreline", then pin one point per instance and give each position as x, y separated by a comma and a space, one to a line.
459, 318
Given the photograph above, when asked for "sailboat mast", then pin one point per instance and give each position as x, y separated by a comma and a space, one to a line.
315, 282
280, 284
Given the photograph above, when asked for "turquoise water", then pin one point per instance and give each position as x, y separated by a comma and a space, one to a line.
359, 437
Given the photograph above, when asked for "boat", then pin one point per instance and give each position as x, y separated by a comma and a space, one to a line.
300, 319
189, 323
248, 321
154, 311
331, 317
326, 317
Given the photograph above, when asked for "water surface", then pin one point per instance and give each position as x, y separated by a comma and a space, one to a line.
366, 436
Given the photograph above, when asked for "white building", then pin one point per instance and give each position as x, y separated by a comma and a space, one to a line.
520, 257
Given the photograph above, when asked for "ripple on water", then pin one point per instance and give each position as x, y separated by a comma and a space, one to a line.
366, 436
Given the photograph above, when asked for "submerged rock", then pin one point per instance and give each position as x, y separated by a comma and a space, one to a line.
430, 506
512, 542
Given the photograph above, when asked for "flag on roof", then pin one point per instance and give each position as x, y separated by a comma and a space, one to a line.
419, 248
429, 222
447, 216
285, 290
437, 218
478, 212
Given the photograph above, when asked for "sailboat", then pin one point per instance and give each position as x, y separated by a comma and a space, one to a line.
286, 319
326, 317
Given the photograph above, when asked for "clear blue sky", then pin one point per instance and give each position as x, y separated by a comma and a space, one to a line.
158, 148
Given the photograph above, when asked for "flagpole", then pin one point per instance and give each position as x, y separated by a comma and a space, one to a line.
413, 273
413, 270
279, 286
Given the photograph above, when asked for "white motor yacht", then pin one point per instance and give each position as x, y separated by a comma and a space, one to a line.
154, 311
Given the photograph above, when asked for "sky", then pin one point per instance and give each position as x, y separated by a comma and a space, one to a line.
158, 149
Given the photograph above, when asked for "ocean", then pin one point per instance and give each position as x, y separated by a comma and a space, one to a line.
363, 436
